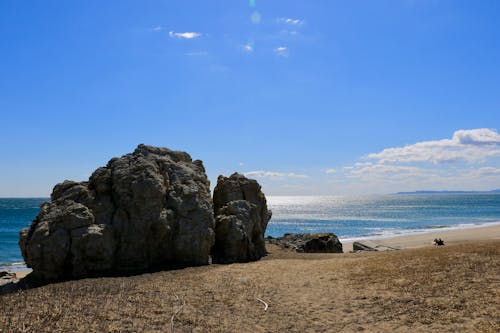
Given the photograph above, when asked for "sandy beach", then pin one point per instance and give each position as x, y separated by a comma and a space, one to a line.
453, 236
423, 288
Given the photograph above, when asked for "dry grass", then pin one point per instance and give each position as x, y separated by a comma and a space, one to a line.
450, 289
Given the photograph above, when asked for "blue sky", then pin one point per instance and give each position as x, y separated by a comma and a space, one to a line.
308, 97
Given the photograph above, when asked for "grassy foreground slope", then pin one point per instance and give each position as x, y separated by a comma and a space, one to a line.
454, 288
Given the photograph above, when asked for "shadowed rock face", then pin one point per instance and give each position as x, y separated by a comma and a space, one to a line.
241, 216
145, 209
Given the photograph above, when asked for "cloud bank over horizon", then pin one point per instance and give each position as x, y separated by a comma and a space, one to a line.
466, 161
469, 160
465, 145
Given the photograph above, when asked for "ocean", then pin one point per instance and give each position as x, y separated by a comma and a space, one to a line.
15, 214
378, 216
349, 217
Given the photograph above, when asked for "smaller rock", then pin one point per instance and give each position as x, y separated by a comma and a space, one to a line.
237, 233
6, 275
241, 218
309, 243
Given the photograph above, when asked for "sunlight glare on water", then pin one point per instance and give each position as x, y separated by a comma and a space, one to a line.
382, 215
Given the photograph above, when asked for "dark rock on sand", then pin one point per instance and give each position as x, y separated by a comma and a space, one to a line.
309, 243
241, 218
6, 275
146, 209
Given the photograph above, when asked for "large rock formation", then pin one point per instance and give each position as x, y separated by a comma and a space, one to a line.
145, 209
241, 217
309, 243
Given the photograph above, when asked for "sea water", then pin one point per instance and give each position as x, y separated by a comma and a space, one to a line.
349, 217
15, 214
378, 216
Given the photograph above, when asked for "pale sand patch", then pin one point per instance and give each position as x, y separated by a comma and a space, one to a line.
425, 239
22, 274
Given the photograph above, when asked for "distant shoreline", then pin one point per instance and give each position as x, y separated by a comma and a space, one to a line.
417, 232
451, 192
6, 198
474, 233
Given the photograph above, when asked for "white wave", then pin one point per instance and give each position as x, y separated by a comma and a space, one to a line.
389, 233
14, 267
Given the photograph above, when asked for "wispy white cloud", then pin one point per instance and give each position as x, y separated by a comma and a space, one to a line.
274, 174
158, 28
291, 21
330, 171
282, 51
465, 146
248, 47
184, 35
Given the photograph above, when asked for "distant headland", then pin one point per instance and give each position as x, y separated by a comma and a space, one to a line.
449, 192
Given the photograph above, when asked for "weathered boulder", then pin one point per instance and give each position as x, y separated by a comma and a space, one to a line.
241, 218
309, 243
146, 209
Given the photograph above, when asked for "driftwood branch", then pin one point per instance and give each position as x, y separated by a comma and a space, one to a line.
176, 313
265, 304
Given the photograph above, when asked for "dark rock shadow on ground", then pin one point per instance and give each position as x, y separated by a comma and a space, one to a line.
30, 281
